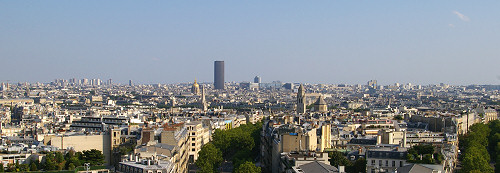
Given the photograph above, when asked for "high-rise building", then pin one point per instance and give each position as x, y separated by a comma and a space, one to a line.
2, 87
219, 74
256, 79
372, 83
130, 83
288, 86
85, 81
301, 98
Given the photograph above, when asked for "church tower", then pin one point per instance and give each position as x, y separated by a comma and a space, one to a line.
203, 101
301, 96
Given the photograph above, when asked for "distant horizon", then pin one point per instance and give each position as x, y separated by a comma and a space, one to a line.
344, 42
211, 82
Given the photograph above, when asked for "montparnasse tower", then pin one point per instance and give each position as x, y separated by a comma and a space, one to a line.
195, 89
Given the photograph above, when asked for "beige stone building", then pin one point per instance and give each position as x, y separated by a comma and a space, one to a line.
99, 142
177, 135
488, 114
199, 135
392, 137
280, 139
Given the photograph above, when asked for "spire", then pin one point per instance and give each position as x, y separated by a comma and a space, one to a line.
203, 102
301, 88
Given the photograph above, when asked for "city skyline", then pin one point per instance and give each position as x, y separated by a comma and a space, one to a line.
451, 42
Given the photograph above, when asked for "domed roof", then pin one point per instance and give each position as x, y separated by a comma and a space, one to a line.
320, 101
196, 84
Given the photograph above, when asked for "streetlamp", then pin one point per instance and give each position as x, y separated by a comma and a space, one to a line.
87, 167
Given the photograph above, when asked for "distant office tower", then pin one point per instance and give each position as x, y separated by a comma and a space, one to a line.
256, 79
372, 83
130, 83
288, 86
85, 81
95, 82
110, 82
219, 74
301, 98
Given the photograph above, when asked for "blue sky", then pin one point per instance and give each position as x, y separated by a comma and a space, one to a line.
351, 42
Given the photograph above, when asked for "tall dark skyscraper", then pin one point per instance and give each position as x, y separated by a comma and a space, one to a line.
256, 79
219, 74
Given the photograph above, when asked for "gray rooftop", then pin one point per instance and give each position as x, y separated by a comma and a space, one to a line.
317, 167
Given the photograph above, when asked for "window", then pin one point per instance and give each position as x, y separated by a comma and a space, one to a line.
193, 139
379, 162
387, 163
193, 149
193, 133
400, 163
393, 163
373, 162
193, 144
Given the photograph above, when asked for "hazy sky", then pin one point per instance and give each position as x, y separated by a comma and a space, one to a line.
422, 42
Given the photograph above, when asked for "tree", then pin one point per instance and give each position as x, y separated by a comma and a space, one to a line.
71, 166
241, 157
221, 140
476, 157
206, 168
398, 117
49, 162
478, 133
359, 166
72, 161
248, 167
49, 165
423, 154
337, 159
93, 156
209, 158
33, 166
11, 167
24, 167
243, 141
2, 169
59, 157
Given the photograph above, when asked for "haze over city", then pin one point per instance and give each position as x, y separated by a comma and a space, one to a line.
427, 42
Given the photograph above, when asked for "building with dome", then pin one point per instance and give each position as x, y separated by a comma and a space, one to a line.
320, 105
195, 89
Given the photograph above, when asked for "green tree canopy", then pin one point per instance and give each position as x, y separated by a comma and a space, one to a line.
93, 156
476, 157
337, 159
209, 158
248, 167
